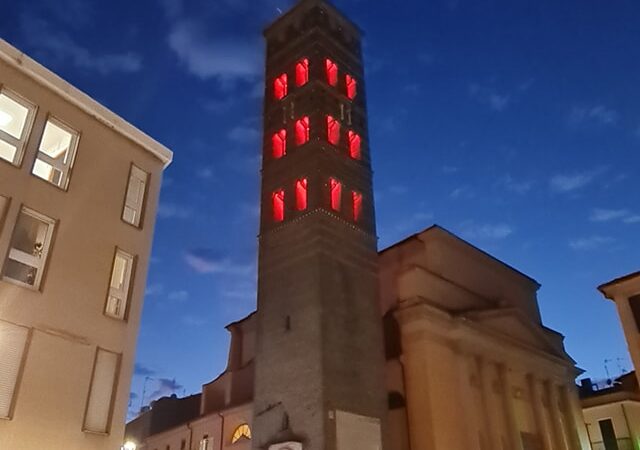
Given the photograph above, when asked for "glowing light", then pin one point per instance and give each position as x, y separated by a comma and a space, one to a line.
129, 445
5, 119
279, 141
333, 131
280, 87
302, 72
357, 205
332, 72
355, 144
336, 194
302, 131
352, 87
301, 194
277, 199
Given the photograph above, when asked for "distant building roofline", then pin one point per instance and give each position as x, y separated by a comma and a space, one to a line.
20, 61
604, 288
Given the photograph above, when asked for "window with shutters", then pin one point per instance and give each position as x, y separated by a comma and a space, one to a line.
279, 142
333, 131
13, 351
301, 194
335, 188
29, 249
302, 131
355, 145
135, 197
356, 199
280, 87
277, 200
102, 392
56, 154
16, 118
302, 72
351, 86
119, 287
331, 69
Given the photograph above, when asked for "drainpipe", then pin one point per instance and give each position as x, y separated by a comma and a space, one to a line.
221, 429
190, 435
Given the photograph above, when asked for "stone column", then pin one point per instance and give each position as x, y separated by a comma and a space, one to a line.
556, 421
578, 439
535, 392
486, 390
509, 409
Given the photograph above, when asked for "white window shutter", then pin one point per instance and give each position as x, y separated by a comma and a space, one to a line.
101, 394
13, 342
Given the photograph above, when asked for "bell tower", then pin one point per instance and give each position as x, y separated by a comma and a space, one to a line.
319, 356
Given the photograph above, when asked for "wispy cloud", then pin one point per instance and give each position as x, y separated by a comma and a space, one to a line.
607, 215
519, 186
154, 289
462, 192
590, 242
178, 296
209, 261
494, 232
569, 182
173, 211
143, 371
244, 134
165, 387
497, 101
632, 219
598, 114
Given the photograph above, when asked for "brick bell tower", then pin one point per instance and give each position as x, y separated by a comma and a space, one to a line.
319, 359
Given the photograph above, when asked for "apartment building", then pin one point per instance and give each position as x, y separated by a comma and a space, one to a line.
79, 188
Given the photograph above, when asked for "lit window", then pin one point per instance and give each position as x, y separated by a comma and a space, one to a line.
357, 205
119, 286
336, 194
16, 116
134, 200
280, 87
301, 194
333, 131
29, 248
332, 72
101, 395
355, 144
56, 154
302, 131
302, 72
206, 443
279, 141
13, 340
352, 87
242, 432
278, 205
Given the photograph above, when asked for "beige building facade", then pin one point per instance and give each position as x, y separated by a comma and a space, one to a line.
79, 188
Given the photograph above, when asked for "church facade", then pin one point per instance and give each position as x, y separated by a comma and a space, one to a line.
431, 344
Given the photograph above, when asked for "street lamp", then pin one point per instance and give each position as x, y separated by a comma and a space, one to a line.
129, 445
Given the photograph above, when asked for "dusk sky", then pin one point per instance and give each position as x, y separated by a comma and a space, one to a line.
513, 123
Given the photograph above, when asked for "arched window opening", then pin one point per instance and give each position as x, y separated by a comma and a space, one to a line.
302, 131
357, 205
352, 87
277, 199
332, 72
242, 432
355, 145
333, 131
302, 72
301, 194
336, 194
279, 144
280, 87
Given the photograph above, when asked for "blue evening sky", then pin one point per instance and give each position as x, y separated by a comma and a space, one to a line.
513, 123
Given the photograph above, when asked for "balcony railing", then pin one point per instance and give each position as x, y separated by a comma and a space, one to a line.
620, 444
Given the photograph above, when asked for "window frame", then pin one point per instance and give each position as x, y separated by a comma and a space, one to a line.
47, 249
67, 171
21, 143
335, 183
302, 194
280, 135
350, 80
114, 393
354, 137
307, 126
357, 205
283, 79
333, 127
304, 62
21, 368
143, 206
242, 431
331, 77
133, 259
280, 196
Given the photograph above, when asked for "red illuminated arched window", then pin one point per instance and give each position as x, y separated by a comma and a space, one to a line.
332, 72
302, 131
279, 141
352, 87
355, 144
333, 130
357, 205
301, 194
336, 194
277, 198
280, 87
302, 72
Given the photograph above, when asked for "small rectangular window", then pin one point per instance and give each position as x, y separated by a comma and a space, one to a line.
135, 197
333, 131
119, 287
279, 141
332, 72
301, 194
16, 118
13, 348
280, 87
336, 194
357, 205
302, 72
29, 248
302, 131
102, 392
278, 205
56, 154
634, 303
355, 144
352, 87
